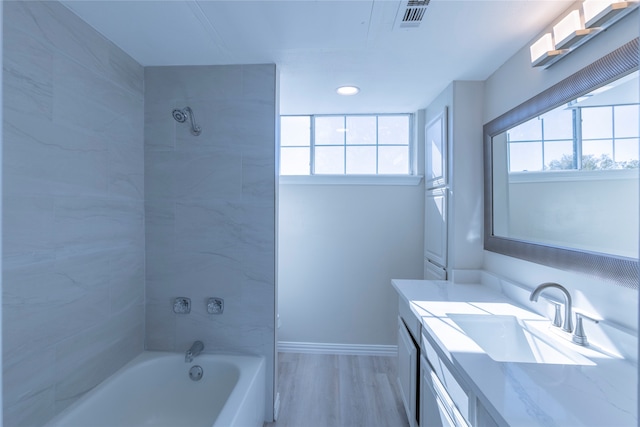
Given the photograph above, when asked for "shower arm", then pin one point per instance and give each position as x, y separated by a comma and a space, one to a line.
195, 129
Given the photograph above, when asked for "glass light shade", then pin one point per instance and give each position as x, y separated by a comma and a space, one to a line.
541, 47
594, 7
567, 27
348, 90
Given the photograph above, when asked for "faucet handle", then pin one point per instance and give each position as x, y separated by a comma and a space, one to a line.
579, 337
557, 318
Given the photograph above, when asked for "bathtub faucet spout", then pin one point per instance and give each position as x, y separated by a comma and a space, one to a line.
195, 350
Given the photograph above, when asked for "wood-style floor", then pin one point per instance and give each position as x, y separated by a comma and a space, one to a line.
319, 390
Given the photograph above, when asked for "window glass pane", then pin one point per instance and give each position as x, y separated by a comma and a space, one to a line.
627, 152
558, 155
294, 161
558, 124
361, 130
626, 121
393, 130
527, 131
525, 156
361, 160
330, 130
597, 123
295, 131
597, 155
329, 160
393, 160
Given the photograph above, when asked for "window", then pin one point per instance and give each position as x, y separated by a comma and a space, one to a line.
345, 145
570, 138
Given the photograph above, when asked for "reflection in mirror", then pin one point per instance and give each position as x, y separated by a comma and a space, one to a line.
561, 173
569, 177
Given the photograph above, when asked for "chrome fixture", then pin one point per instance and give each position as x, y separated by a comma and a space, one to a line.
567, 324
196, 372
182, 305
215, 305
181, 116
195, 350
579, 337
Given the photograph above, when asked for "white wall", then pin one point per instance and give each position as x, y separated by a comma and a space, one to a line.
340, 246
515, 82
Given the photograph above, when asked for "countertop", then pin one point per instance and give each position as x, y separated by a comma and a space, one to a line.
602, 393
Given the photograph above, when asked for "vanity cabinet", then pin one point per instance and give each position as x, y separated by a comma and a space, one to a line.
408, 361
453, 398
432, 392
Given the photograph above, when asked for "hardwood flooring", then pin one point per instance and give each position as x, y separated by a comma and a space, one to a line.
319, 390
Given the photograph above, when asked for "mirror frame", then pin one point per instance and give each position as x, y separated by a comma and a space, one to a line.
621, 270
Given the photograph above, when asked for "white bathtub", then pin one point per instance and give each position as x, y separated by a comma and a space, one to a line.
154, 389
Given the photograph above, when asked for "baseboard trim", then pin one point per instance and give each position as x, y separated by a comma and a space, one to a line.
328, 348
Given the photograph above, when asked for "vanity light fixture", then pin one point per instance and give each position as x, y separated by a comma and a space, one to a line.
599, 13
544, 53
348, 90
570, 31
576, 28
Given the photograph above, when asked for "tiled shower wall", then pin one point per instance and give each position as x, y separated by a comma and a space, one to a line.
210, 209
73, 219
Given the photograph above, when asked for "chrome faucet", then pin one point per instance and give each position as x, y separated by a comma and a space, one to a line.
567, 324
195, 350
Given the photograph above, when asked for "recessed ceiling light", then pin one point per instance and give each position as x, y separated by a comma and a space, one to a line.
347, 90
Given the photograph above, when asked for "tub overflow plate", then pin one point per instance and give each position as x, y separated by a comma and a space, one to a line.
196, 372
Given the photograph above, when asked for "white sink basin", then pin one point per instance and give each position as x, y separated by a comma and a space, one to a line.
509, 339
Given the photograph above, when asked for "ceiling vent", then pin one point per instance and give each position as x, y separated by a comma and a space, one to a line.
410, 13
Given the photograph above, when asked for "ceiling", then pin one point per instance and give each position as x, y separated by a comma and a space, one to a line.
319, 45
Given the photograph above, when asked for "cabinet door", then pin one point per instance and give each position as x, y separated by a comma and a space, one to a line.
435, 151
435, 226
432, 410
407, 371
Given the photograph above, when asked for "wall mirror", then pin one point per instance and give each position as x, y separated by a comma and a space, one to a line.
561, 173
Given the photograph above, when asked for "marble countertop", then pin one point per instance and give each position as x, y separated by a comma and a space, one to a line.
600, 393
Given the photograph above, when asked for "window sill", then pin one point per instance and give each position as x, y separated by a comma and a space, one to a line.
350, 179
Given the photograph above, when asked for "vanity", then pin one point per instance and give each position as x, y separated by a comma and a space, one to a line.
480, 358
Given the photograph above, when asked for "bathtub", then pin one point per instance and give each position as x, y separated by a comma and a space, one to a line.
155, 389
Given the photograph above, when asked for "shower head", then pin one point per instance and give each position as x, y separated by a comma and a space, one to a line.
181, 115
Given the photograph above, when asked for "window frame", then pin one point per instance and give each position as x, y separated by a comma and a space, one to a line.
411, 178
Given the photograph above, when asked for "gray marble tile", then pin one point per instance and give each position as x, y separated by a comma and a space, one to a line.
42, 158
191, 275
218, 82
46, 302
28, 399
258, 177
27, 224
82, 224
259, 82
85, 100
126, 281
89, 357
160, 326
67, 34
27, 74
126, 171
159, 125
193, 176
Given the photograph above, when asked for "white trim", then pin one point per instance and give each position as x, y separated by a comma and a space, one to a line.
572, 175
327, 348
350, 179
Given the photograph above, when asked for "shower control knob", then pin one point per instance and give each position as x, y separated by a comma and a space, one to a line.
215, 305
